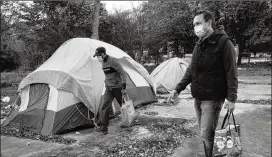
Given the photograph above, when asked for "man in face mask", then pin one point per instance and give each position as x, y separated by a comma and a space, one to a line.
212, 74
115, 82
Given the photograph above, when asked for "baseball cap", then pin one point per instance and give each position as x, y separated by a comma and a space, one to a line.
99, 51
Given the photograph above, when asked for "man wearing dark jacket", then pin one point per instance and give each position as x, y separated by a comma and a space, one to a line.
212, 74
115, 82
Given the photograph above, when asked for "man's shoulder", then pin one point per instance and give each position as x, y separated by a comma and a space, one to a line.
223, 39
113, 60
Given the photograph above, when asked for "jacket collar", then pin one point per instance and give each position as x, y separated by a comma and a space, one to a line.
212, 39
105, 58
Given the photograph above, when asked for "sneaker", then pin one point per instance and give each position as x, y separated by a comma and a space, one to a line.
104, 130
123, 126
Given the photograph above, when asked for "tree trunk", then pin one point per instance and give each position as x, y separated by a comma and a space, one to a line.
95, 24
141, 52
176, 48
241, 43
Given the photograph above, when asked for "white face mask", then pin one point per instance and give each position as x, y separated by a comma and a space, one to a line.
200, 31
100, 59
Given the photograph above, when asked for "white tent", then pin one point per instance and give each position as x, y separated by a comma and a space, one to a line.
68, 88
168, 74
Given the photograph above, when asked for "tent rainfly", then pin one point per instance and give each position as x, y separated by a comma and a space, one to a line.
168, 74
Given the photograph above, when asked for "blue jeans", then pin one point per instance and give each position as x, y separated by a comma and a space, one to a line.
207, 113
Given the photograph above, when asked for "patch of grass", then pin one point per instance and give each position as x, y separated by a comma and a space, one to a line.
15, 131
258, 69
5, 84
12, 77
10, 91
9, 86
254, 83
256, 65
259, 102
169, 133
151, 113
261, 83
254, 72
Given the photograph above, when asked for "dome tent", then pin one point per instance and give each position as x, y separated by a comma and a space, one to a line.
168, 74
72, 80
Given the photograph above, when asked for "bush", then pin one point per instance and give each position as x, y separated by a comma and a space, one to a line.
7, 62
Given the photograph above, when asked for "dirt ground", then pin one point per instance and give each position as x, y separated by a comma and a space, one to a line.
255, 120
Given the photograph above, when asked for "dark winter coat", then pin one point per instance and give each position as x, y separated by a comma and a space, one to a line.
213, 70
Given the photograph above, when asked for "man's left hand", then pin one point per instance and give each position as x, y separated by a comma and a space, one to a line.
124, 91
229, 105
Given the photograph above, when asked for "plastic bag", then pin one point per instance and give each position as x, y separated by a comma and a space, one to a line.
128, 113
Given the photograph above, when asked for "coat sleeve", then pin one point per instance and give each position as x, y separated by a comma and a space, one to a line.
187, 78
118, 67
230, 66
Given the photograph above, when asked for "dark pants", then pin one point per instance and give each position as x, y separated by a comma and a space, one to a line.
207, 113
110, 94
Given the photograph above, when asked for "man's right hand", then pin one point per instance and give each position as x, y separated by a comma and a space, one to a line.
173, 95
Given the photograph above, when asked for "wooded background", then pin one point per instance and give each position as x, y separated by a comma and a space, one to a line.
31, 32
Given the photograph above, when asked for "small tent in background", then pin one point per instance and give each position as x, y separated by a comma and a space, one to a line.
67, 90
168, 74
